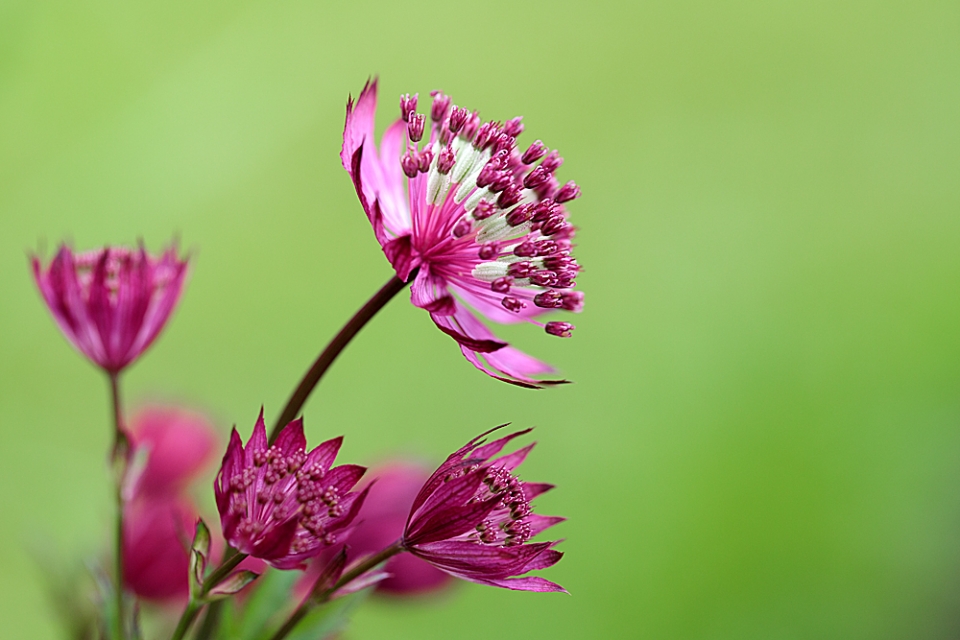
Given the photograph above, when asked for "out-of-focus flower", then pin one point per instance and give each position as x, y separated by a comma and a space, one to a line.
379, 524
473, 519
112, 303
155, 546
480, 221
280, 503
177, 443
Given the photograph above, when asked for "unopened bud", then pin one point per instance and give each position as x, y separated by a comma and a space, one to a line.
559, 329
534, 152
408, 104
513, 127
441, 103
415, 125
569, 191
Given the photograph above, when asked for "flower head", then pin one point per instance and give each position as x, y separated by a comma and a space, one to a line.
280, 503
473, 519
111, 304
480, 222
156, 539
178, 443
159, 516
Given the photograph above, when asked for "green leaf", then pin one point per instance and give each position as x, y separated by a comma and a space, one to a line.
231, 585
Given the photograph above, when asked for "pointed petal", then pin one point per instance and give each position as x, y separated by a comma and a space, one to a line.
291, 438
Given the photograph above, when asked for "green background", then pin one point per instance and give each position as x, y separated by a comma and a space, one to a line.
763, 440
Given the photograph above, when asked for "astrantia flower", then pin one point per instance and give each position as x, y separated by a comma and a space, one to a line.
112, 303
483, 224
473, 519
159, 516
156, 540
280, 503
178, 444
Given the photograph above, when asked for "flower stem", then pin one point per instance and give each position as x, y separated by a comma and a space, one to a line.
333, 349
118, 458
325, 596
230, 561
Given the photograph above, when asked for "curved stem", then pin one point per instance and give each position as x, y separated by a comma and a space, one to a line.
333, 349
322, 598
119, 459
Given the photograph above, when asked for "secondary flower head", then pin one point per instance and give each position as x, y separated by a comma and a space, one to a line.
156, 540
178, 445
280, 503
481, 222
112, 303
473, 519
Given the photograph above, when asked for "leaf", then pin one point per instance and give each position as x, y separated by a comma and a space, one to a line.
231, 585
199, 552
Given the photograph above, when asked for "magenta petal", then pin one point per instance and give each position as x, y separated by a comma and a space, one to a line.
179, 445
452, 521
528, 583
325, 453
451, 492
539, 524
290, 438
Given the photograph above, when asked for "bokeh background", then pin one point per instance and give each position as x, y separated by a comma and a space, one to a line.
763, 440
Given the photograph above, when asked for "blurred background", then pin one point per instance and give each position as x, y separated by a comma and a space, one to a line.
763, 437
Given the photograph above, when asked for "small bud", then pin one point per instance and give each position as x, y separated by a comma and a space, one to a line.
559, 262
488, 174
519, 215
546, 248
550, 299
543, 278
510, 196
525, 249
410, 164
569, 191
513, 127
426, 157
471, 126
544, 209
534, 152
458, 118
486, 134
441, 103
415, 125
512, 304
552, 162
520, 269
446, 160
536, 178
462, 227
501, 285
573, 300
483, 210
559, 329
504, 143
408, 104
552, 225
489, 251
501, 182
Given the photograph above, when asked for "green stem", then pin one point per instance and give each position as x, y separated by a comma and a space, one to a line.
230, 561
191, 611
333, 349
325, 596
119, 460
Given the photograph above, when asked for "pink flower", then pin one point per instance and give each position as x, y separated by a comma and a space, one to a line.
473, 519
111, 304
156, 539
178, 443
478, 221
159, 517
379, 524
280, 503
